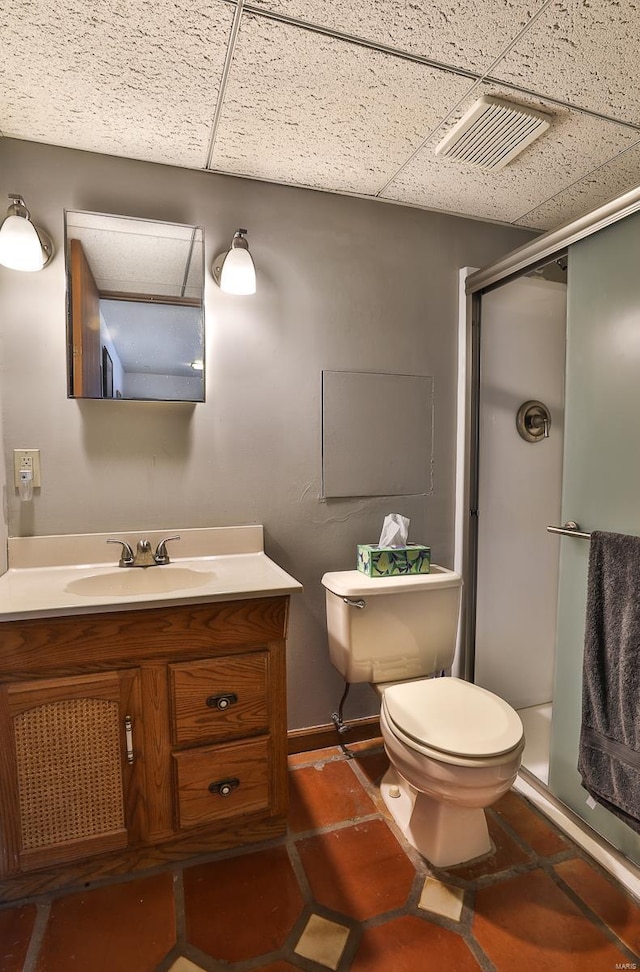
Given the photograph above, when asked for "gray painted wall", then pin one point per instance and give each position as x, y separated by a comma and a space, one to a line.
343, 284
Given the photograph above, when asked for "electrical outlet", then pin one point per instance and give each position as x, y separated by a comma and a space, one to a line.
26, 459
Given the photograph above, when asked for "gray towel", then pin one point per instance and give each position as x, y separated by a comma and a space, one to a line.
609, 754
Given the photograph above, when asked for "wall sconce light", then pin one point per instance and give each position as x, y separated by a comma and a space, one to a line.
234, 271
23, 246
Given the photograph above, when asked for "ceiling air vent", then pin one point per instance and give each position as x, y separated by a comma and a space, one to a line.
492, 133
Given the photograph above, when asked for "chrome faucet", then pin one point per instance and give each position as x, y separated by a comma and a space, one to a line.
143, 557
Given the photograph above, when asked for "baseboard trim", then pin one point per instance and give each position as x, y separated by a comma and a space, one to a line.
322, 737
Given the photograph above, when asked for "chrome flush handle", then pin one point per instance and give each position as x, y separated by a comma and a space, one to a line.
360, 603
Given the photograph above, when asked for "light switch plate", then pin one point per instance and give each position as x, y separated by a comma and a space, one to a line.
26, 459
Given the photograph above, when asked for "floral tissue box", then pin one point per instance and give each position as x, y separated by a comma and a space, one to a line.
376, 561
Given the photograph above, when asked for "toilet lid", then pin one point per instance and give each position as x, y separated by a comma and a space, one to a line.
453, 716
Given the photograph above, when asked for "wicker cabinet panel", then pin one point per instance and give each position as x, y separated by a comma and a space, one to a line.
67, 767
68, 763
220, 698
218, 782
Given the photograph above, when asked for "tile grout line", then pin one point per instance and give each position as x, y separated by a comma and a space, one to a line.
37, 934
179, 908
593, 916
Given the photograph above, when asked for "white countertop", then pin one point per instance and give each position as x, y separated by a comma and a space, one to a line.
219, 563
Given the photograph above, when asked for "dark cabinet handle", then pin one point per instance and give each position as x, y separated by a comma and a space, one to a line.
224, 788
222, 702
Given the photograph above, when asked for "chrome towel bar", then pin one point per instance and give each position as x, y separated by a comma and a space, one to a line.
570, 529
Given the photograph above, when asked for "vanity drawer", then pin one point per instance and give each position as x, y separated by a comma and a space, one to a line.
219, 698
215, 782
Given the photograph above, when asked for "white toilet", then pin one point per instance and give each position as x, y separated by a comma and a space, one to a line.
454, 747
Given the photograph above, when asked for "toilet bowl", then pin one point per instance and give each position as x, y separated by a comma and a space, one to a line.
454, 747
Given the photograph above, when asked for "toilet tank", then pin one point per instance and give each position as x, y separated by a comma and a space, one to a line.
384, 629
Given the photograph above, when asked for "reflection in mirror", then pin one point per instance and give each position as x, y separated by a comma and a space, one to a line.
135, 310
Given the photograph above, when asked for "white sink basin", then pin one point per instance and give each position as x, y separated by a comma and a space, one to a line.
126, 581
60, 575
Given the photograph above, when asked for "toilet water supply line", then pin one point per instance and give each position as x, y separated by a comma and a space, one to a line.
340, 724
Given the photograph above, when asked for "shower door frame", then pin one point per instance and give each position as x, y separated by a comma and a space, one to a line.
541, 251
474, 284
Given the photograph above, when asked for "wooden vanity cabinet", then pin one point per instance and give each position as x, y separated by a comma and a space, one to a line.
132, 738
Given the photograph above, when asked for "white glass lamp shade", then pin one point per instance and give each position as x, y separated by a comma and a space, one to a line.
234, 271
20, 246
238, 274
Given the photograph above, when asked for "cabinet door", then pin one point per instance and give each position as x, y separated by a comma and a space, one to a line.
68, 770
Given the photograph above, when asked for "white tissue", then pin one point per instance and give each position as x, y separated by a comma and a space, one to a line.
395, 531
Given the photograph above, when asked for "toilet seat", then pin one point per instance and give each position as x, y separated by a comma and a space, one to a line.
452, 720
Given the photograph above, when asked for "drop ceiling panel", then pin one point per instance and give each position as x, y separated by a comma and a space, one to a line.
141, 79
583, 53
134, 79
609, 181
469, 34
315, 111
575, 145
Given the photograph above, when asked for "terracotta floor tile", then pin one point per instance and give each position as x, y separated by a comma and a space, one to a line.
16, 925
529, 825
128, 926
529, 923
409, 944
325, 794
374, 765
243, 906
242, 911
617, 909
358, 871
507, 854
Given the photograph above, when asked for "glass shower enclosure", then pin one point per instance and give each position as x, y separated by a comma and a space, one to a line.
600, 474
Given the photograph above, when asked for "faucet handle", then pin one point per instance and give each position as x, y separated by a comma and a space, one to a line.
127, 553
161, 556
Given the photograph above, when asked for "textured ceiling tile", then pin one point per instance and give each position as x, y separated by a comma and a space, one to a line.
348, 126
573, 146
138, 79
464, 33
583, 52
610, 180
